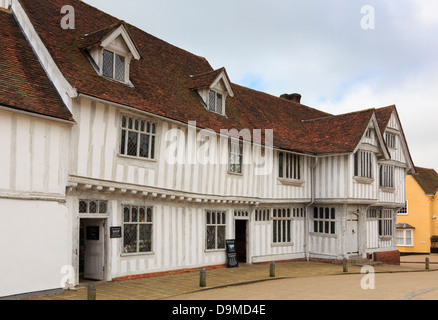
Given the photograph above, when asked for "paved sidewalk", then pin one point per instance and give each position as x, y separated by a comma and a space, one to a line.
170, 286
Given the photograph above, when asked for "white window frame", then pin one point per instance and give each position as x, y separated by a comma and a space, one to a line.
391, 140
324, 220
386, 223
148, 212
289, 166
215, 101
262, 215
215, 219
386, 176
364, 164
404, 237
142, 128
125, 66
93, 207
235, 156
281, 226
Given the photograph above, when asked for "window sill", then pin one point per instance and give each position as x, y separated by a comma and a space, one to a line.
385, 238
137, 254
139, 160
291, 182
324, 235
238, 174
214, 250
363, 180
283, 244
387, 189
125, 83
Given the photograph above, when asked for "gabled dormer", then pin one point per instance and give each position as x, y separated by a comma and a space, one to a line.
392, 132
111, 51
213, 88
373, 140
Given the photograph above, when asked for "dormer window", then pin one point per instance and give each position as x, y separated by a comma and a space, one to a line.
111, 51
113, 65
213, 88
215, 101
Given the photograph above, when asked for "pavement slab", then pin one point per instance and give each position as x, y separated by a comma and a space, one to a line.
172, 286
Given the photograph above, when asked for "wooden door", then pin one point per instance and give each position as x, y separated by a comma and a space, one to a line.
94, 246
352, 233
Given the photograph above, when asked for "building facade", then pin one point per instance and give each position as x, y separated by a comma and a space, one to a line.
417, 229
128, 156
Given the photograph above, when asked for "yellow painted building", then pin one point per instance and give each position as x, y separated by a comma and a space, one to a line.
418, 222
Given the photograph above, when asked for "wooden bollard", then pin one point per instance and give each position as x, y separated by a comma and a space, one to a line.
427, 264
272, 269
203, 278
345, 265
91, 293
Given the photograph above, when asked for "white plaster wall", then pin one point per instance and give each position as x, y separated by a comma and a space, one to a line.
96, 141
33, 245
5, 3
35, 158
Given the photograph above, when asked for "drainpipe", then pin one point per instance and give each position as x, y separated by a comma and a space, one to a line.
312, 192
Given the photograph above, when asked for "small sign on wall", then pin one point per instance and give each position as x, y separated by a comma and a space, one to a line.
115, 232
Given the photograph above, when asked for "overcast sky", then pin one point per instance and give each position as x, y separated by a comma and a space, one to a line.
318, 48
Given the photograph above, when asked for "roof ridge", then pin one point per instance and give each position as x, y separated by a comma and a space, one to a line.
207, 72
114, 25
339, 115
276, 97
426, 169
387, 107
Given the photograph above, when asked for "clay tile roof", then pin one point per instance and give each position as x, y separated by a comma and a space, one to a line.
427, 179
88, 40
339, 133
23, 82
383, 115
404, 226
204, 80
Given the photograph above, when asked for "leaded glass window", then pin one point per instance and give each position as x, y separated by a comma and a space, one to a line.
215, 101
108, 64
119, 65
281, 225
324, 220
289, 166
93, 206
215, 233
137, 229
113, 65
137, 137
236, 156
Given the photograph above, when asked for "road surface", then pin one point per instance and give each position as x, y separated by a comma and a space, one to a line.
393, 286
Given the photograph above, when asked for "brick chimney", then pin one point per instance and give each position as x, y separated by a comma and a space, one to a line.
296, 97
